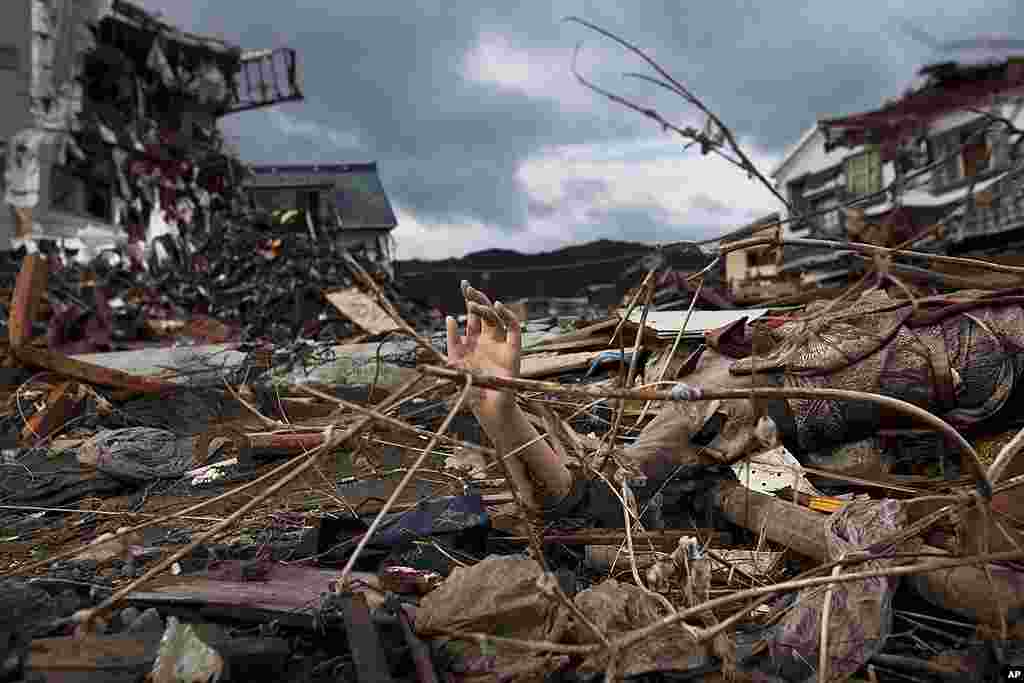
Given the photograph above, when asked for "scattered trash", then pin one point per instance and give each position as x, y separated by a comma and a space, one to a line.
184, 657
220, 461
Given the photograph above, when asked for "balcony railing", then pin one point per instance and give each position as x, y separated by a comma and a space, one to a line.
266, 77
998, 208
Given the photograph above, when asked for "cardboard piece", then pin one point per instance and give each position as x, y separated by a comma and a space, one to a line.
361, 309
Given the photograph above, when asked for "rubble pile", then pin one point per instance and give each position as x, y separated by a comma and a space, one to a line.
144, 215
245, 282
232, 450
701, 537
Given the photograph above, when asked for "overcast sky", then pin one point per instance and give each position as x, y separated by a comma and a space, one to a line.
485, 140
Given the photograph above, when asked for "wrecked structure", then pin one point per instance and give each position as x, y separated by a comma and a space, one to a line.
825, 493
342, 203
755, 274
941, 148
111, 133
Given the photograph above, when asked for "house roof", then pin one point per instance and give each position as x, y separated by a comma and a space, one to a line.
949, 87
794, 150
134, 15
357, 191
751, 228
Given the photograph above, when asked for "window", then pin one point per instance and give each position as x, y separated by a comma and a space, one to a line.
976, 157
758, 257
309, 201
970, 153
314, 200
864, 173
796, 196
273, 199
830, 223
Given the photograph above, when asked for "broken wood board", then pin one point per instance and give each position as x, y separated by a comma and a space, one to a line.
63, 404
596, 342
361, 309
28, 294
542, 365
196, 364
582, 333
126, 657
90, 373
287, 593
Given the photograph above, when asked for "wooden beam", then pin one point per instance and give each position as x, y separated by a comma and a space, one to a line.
28, 293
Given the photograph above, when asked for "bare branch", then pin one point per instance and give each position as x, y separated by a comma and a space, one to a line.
678, 88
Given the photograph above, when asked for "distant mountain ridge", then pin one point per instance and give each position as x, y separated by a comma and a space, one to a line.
510, 275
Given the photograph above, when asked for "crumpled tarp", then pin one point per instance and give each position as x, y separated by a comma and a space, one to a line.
138, 454
497, 596
861, 613
617, 608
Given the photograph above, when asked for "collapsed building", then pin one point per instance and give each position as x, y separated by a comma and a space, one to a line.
345, 204
112, 148
111, 120
941, 150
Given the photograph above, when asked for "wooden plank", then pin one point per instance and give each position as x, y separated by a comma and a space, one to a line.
290, 593
596, 342
28, 293
63, 403
582, 333
361, 309
123, 657
543, 365
90, 373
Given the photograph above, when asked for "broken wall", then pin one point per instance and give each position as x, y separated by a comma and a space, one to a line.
118, 125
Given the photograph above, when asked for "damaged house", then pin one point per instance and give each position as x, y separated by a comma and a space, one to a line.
931, 148
754, 275
344, 203
110, 120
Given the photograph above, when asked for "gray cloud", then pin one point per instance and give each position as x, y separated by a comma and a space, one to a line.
711, 205
585, 189
389, 75
539, 209
638, 224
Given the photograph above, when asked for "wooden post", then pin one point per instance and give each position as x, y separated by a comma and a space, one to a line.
28, 293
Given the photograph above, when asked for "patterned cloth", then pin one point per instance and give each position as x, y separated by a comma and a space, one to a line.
959, 357
861, 611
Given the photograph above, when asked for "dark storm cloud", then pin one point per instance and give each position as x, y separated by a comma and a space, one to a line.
388, 75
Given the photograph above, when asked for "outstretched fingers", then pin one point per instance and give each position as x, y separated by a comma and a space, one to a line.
455, 347
472, 320
493, 326
513, 332
481, 313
